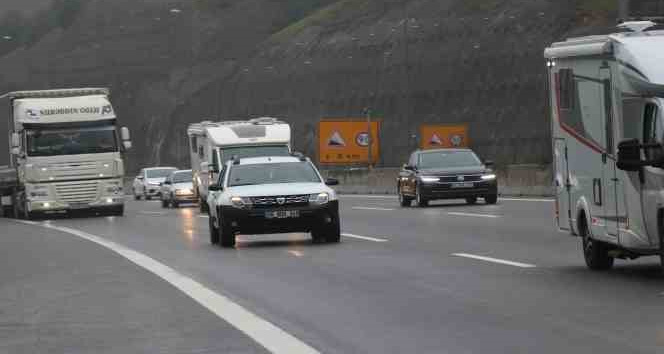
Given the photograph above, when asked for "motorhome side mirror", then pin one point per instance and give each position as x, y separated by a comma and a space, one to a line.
124, 134
332, 182
126, 144
629, 155
16, 141
139, 178
215, 188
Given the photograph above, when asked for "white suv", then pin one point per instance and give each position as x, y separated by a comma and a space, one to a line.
148, 182
268, 195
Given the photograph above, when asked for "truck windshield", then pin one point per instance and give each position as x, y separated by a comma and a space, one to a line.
254, 151
71, 141
273, 173
448, 159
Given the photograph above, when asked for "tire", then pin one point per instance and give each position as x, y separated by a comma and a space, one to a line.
214, 232
136, 196
491, 199
202, 204
421, 201
404, 201
174, 203
117, 211
164, 203
595, 253
147, 197
471, 200
226, 234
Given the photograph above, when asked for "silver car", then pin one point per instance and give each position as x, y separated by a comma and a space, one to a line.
178, 188
147, 183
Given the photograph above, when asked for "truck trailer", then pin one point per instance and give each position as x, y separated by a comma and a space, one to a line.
65, 154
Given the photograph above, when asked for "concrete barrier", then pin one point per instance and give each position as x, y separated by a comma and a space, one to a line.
515, 180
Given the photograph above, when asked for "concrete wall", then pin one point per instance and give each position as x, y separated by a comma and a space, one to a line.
514, 180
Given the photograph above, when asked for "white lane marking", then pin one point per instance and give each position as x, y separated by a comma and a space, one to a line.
495, 260
366, 238
474, 215
273, 338
156, 213
296, 253
542, 200
371, 208
369, 196
204, 216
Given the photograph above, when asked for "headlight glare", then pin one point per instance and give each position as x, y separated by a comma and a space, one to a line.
183, 191
488, 177
241, 203
320, 198
426, 179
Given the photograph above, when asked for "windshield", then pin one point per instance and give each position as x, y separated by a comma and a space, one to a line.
289, 172
254, 151
71, 141
159, 173
448, 159
182, 177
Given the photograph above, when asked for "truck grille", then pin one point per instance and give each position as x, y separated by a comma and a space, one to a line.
84, 169
290, 200
77, 192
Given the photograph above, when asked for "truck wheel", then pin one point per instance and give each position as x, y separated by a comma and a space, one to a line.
136, 195
471, 200
227, 234
595, 253
491, 199
421, 201
214, 231
147, 197
118, 211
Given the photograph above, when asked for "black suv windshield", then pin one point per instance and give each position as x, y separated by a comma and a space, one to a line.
71, 141
182, 177
288, 172
448, 159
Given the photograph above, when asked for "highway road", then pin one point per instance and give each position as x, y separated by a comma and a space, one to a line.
450, 278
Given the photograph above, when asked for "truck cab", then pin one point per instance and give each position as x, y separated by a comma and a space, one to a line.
67, 152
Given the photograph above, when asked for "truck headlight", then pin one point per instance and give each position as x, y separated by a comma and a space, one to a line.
39, 191
426, 179
320, 198
488, 177
241, 203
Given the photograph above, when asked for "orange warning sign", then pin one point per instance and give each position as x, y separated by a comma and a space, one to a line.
443, 136
347, 142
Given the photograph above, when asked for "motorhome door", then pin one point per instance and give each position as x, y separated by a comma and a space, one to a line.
611, 189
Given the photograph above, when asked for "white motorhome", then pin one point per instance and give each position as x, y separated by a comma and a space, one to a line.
65, 153
607, 100
213, 143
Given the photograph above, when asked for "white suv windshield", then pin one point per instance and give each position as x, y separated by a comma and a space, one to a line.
271, 173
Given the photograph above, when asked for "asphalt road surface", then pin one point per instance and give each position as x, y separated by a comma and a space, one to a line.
450, 278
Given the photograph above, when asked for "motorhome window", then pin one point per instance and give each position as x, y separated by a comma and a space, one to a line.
254, 151
201, 152
78, 141
586, 119
632, 117
567, 88
215, 159
652, 131
193, 143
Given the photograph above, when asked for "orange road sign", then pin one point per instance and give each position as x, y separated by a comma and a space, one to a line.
347, 142
443, 136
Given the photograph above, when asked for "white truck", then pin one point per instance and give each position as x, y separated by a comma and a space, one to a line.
213, 143
65, 154
607, 99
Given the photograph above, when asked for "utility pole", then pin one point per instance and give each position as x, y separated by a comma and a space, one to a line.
369, 139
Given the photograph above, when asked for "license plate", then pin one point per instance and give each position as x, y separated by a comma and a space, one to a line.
282, 214
463, 185
78, 205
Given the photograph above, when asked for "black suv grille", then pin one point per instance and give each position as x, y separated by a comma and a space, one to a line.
290, 200
466, 178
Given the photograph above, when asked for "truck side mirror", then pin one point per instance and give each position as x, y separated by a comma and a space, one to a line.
124, 134
629, 155
16, 141
127, 145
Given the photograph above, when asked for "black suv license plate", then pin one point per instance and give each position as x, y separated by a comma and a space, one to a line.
282, 214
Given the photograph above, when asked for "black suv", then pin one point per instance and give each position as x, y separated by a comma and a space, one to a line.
446, 174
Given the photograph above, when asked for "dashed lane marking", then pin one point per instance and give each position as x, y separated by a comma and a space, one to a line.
273, 338
365, 238
371, 208
491, 216
495, 260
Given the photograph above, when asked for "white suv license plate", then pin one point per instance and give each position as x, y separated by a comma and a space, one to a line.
463, 185
282, 214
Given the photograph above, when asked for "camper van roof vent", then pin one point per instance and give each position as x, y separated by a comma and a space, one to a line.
637, 26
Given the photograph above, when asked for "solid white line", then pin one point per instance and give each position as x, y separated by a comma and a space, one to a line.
475, 215
495, 260
273, 338
159, 213
204, 216
542, 200
371, 208
368, 196
366, 238
509, 199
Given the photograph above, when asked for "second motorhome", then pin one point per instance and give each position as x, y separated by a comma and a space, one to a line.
213, 143
607, 100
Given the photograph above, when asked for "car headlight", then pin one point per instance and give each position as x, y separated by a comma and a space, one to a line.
241, 203
184, 192
320, 198
153, 184
488, 177
426, 179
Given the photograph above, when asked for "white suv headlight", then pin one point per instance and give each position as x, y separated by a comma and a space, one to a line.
320, 198
241, 203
